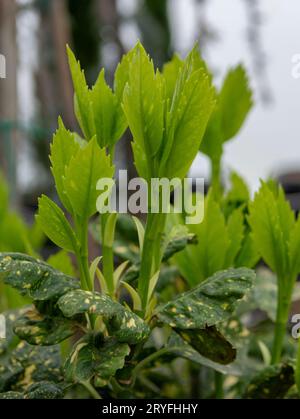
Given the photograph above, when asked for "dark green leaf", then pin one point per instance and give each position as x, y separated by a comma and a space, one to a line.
11, 395
38, 329
271, 383
181, 348
128, 327
209, 303
44, 390
10, 318
10, 373
33, 277
27, 364
88, 359
80, 301
122, 323
210, 343
180, 238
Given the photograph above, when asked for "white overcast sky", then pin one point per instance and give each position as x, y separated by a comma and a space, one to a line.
269, 141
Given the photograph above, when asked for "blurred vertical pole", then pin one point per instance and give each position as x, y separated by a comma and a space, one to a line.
110, 21
85, 32
61, 36
54, 85
8, 92
153, 21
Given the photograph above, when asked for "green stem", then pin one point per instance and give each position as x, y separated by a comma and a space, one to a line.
146, 261
93, 392
149, 359
297, 371
219, 385
82, 255
151, 254
282, 315
117, 388
107, 258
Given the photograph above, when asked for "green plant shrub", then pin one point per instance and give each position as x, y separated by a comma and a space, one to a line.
179, 291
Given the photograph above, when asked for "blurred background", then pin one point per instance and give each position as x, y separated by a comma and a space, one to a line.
263, 34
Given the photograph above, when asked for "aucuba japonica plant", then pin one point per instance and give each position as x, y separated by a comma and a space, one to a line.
96, 328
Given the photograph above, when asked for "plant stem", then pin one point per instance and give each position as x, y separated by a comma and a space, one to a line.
151, 254
117, 388
283, 307
107, 258
149, 359
146, 261
108, 268
82, 255
219, 388
93, 392
280, 330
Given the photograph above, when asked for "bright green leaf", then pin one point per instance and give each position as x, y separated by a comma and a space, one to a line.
235, 230
82, 174
61, 261
82, 100
171, 72
110, 122
55, 225
63, 148
235, 101
191, 107
143, 103
271, 220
